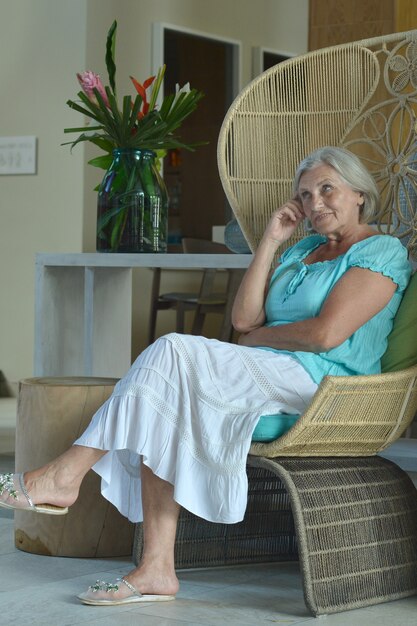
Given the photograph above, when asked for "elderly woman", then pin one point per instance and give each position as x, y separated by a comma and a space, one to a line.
177, 429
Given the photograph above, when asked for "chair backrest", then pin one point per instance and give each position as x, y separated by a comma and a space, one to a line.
361, 95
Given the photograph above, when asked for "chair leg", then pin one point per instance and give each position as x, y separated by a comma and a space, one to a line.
356, 524
156, 282
234, 280
198, 322
180, 308
206, 288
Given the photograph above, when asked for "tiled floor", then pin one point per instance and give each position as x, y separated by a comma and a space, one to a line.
38, 590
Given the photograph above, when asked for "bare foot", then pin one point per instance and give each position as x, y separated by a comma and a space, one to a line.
56, 483
16, 492
148, 581
52, 484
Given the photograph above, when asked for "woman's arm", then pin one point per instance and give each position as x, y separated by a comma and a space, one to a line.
248, 309
356, 298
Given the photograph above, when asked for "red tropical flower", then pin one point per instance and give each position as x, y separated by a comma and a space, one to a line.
141, 89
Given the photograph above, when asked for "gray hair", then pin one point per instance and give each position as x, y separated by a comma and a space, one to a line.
351, 170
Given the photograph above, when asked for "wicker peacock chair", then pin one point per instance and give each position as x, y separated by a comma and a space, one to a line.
355, 513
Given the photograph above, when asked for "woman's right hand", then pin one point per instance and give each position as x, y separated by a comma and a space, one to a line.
284, 221
248, 310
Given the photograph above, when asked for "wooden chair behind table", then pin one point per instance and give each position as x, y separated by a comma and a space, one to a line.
203, 302
355, 513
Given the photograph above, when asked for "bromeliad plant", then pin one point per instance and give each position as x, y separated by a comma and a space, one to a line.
139, 123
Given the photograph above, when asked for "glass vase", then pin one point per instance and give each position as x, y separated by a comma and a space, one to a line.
132, 212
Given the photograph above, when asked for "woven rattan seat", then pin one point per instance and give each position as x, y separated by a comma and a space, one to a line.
350, 416
355, 514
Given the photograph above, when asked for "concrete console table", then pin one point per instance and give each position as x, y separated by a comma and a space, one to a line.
79, 298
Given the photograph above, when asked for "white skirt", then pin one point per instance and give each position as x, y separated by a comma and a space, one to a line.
187, 408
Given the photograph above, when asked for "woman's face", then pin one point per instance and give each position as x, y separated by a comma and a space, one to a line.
328, 202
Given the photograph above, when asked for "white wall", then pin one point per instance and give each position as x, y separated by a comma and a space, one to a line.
42, 46
44, 43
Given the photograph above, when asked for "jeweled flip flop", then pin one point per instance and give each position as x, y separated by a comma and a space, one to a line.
13, 485
91, 596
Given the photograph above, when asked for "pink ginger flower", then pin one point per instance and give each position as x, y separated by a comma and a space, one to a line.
88, 81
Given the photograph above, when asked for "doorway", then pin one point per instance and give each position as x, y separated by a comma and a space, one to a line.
211, 65
264, 58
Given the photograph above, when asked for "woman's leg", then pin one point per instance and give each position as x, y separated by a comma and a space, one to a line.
155, 575
156, 571
58, 483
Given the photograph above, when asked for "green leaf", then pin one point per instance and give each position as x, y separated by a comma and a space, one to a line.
103, 162
108, 122
110, 52
113, 107
82, 129
77, 107
104, 144
166, 105
118, 228
104, 219
92, 106
156, 87
127, 107
79, 139
134, 112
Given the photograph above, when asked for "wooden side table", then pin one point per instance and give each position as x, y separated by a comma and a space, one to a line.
52, 413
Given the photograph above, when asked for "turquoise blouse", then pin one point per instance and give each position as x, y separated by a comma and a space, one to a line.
298, 291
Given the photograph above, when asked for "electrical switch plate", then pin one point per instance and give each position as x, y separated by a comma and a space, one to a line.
18, 155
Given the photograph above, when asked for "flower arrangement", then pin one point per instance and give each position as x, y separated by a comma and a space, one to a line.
132, 198
139, 123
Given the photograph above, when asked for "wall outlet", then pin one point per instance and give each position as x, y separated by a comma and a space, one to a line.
18, 155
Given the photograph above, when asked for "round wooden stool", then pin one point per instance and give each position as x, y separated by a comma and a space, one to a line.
51, 414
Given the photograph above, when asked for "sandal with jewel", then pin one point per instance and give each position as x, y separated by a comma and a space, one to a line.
13, 485
100, 594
